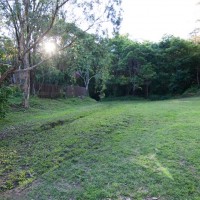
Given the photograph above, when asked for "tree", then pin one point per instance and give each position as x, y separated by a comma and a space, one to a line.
147, 74
7, 53
7, 56
131, 66
30, 22
173, 66
195, 37
118, 83
89, 59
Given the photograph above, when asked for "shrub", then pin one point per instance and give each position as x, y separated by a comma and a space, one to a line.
5, 91
192, 91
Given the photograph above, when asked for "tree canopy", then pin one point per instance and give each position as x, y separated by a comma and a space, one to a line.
30, 22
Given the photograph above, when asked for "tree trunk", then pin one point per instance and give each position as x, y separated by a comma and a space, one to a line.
32, 82
134, 82
133, 88
147, 90
26, 82
26, 89
87, 89
198, 83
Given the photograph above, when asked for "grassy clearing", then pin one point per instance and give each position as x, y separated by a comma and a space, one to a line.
74, 149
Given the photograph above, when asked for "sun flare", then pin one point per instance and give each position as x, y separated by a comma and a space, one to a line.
49, 47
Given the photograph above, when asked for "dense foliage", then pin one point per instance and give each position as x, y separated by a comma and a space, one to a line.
121, 67
29, 23
4, 97
6, 51
166, 68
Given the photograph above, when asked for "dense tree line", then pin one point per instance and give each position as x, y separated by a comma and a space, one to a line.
120, 66
168, 67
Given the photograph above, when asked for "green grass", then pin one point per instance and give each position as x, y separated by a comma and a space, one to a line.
82, 149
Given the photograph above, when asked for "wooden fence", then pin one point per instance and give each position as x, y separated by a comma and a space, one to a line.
48, 91
55, 91
75, 91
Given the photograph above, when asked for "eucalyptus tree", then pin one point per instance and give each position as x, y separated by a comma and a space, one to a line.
30, 22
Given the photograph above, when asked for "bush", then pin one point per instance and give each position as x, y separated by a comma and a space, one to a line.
192, 91
5, 91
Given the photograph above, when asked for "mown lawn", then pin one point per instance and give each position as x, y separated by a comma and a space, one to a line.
85, 150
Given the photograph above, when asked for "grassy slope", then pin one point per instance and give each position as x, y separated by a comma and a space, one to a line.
113, 150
